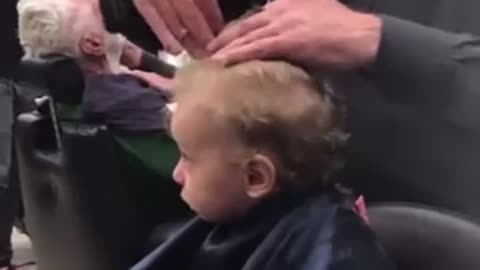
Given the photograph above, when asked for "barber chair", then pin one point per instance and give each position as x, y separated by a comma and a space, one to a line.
426, 225
420, 236
77, 206
80, 210
426, 238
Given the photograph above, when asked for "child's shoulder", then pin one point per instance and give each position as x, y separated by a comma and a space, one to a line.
320, 232
323, 216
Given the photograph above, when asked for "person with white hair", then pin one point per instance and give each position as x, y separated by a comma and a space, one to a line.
71, 28
111, 95
134, 111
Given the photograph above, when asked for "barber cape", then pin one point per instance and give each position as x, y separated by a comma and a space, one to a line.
294, 231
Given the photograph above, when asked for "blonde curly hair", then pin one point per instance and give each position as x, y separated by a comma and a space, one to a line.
277, 108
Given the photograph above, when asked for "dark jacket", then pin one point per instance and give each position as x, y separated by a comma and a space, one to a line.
413, 114
10, 56
290, 232
11, 51
7, 117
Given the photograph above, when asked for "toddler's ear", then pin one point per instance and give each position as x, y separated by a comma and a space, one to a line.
261, 176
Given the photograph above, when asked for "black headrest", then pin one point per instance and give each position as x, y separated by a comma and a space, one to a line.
420, 237
57, 75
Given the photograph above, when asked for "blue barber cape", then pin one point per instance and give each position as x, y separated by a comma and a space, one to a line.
299, 232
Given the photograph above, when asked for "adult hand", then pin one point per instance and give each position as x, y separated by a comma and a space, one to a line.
322, 33
182, 24
131, 55
153, 80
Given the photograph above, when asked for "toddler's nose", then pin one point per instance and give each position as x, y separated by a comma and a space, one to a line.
178, 174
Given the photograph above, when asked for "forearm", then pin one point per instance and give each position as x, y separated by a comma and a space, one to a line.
431, 68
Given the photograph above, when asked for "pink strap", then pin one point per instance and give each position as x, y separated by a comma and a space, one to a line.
361, 208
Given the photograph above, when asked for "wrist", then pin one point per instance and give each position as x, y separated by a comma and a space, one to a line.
365, 39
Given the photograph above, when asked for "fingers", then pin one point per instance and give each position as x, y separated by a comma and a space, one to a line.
269, 31
239, 29
193, 48
167, 12
158, 25
266, 48
213, 14
173, 20
193, 19
153, 79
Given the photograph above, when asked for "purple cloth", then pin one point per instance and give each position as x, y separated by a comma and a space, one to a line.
124, 103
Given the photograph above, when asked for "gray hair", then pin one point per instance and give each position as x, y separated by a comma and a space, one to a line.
46, 26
